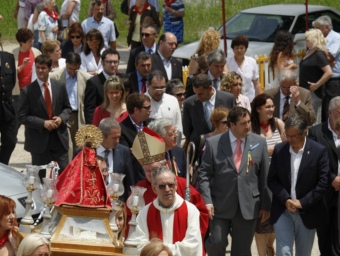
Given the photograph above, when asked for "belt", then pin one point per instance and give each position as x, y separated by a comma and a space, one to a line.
334, 79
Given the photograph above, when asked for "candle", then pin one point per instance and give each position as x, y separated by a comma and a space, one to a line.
49, 193
135, 200
115, 187
31, 180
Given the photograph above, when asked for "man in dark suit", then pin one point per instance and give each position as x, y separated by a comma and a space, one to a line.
139, 77
117, 156
44, 109
174, 155
197, 108
139, 109
298, 178
149, 35
7, 113
299, 99
216, 64
94, 91
327, 134
162, 60
232, 181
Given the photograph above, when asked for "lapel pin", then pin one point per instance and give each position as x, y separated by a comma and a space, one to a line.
307, 152
7, 65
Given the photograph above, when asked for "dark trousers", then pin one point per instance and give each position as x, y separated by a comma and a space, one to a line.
8, 138
332, 89
55, 151
242, 233
328, 235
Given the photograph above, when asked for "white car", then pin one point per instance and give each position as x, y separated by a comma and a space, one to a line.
11, 186
260, 25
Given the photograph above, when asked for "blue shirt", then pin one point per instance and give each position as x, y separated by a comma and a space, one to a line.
72, 91
105, 26
333, 45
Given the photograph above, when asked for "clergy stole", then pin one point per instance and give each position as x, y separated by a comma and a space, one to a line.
180, 223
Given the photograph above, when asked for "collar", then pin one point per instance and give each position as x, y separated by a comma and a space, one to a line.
41, 83
233, 139
162, 58
153, 48
334, 134
177, 203
70, 77
101, 150
291, 150
212, 78
212, 99
282, 96
94, 21
139, 128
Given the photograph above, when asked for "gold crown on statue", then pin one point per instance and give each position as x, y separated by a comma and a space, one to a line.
89, 136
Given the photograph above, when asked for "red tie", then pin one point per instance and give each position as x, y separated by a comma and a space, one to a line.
48, 100
238, 155
143, 85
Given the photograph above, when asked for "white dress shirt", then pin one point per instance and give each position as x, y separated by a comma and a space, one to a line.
295, 161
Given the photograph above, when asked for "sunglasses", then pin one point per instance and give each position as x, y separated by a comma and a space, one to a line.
163, 186
145, 34
182, 94
147, 107
73, 37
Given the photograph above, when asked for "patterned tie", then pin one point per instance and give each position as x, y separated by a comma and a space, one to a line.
238, 155
48, 100
150, 51
285, 109
143, 85
207, 112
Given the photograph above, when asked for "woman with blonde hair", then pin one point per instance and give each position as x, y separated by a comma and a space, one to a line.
210, 41
34, 244
315, 69
114, 101
9, 238
121, 224
232, 82
155, 248
52, 49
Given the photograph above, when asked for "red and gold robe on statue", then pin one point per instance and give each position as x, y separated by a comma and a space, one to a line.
82, 183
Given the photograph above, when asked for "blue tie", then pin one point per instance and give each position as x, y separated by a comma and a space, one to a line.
207, 112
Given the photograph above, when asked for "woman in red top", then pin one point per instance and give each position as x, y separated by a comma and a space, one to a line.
114, 101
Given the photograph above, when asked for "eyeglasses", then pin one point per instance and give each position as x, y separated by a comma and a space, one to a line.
162, 89
224, 122
182, 94
111, 61
292, 136
71, 69
73, 37
147, 107
163, 186
145, 34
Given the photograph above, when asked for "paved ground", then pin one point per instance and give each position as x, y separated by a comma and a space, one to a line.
20, 158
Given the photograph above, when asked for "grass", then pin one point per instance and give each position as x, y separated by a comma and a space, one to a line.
199, 15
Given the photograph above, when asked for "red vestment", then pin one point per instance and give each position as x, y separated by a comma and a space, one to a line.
82, 183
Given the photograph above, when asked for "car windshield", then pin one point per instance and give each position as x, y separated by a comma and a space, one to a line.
257, 27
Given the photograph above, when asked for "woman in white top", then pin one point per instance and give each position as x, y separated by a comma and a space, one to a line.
245, 66
69, 12
48, 22
91, 56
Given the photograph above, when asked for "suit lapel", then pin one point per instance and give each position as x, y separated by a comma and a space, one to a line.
198, 108
305, 160
226, 149
328, 136
55, 96
37, 91
248, 143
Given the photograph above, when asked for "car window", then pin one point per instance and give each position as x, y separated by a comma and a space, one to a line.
300, 24
257, 27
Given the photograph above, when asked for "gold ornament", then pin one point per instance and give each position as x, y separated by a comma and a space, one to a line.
89, 136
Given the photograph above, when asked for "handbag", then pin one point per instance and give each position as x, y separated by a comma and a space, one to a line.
124, 7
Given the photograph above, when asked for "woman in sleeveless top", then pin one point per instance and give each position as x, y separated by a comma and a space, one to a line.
265, 124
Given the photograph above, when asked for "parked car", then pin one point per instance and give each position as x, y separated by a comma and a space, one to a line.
11, 186
260, 25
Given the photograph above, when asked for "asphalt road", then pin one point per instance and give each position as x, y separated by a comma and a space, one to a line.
20, 158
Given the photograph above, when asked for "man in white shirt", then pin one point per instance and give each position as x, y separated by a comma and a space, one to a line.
298, 178
163, 105
117, 156
327, 134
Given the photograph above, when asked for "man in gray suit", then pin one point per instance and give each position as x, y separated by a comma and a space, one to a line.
75, 81
232, 181
299, 99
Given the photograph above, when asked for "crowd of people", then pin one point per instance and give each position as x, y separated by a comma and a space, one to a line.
266, 162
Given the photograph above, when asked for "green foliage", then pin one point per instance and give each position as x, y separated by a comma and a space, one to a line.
199, 15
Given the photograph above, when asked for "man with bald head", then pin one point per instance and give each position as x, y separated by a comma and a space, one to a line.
289, 98
162, 60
